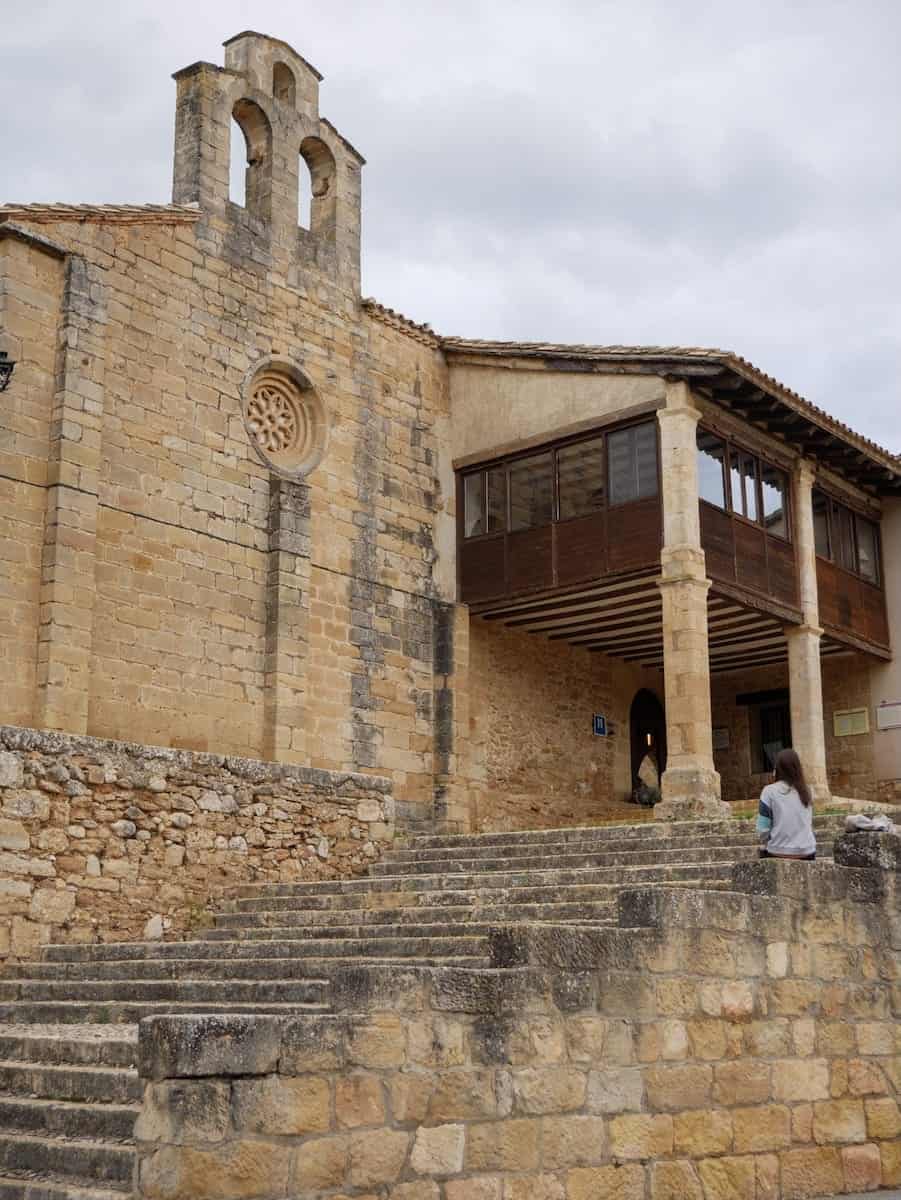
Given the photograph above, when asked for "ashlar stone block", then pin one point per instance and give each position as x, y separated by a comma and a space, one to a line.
675, 1181
283, 1105
241, 1170
438, 1150
625, 1182
377, 1157
320, 1164
641, 1136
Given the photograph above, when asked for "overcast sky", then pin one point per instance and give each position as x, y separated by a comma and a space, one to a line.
644, 171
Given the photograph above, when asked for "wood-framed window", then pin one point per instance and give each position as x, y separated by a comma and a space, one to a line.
577, 478
846, 537
743, 484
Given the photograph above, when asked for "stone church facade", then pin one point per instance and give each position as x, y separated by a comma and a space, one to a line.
284, 575
247, 512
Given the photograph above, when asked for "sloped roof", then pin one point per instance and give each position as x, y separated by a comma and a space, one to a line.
732, 381
121, 214
735, 383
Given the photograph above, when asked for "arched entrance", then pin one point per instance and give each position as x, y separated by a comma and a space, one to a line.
647, 730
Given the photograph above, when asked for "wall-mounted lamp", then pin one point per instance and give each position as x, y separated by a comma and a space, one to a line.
7, 366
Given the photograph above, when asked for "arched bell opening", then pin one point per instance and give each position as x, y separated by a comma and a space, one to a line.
284, 85
317, 175
252, 124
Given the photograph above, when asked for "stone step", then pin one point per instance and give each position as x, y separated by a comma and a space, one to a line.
238, 946
90, 1045
458, 923
550, 877
105, 1085
625, 846
51, 1118
592, 902
464, 941
473, 847
33, 1187
117, 1012
651, 831
595, 858
101, 1162
185, 991
370, 923
434, 901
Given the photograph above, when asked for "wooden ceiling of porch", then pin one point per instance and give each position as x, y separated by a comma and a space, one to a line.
623, 618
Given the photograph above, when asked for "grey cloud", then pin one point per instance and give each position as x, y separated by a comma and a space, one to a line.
656, 171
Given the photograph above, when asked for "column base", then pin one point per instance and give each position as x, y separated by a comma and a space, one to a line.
691, 794
819, 788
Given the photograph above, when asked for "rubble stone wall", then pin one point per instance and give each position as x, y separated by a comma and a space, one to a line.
531, 757
722, 1047
849, 760
105, 841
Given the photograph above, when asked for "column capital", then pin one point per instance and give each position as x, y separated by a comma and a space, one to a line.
679, 401
804, 629
805, 474
683, 564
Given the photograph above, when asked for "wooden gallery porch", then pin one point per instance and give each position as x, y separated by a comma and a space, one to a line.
564, 541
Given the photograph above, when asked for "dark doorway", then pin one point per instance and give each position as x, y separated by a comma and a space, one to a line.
647, 728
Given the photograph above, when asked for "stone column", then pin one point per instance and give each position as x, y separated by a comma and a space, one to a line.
804, 670
287, 601
451, 716
690, 785
65, 635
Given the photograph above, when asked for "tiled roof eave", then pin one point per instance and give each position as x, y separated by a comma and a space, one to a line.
115, 214
692, 357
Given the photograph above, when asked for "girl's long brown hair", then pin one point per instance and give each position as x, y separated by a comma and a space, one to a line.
790, 771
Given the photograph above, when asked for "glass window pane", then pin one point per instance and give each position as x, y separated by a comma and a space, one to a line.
749, 480
646, 459
580, 475
497, 500
632, 463
735, 482
474, 504
843, 533
868, 550
531, 491
711, 477
774, 486
820, 524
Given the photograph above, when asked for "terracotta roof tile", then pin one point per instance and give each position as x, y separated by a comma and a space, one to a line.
122, 214
725, 358
396, 320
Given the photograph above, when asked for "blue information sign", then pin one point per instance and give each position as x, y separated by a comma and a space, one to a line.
600, 725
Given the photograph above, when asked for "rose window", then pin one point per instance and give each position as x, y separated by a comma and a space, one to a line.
285, 420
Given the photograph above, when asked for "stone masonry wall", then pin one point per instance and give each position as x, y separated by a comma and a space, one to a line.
846, 684
849, 760
31, 287
725, 1047
106, 841
531, 757
165, 586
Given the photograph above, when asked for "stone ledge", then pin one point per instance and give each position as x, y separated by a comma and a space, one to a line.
568, 948
47, 741
810, 882
869, 848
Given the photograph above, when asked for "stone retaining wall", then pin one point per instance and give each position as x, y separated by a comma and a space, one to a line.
717, 1046
103, 840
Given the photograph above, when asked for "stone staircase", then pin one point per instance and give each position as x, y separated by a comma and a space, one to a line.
69, 1091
